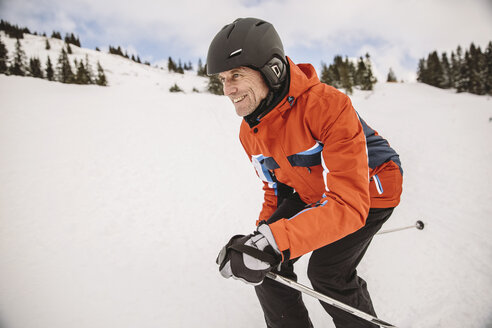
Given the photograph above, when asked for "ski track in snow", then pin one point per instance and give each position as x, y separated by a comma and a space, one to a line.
115, 201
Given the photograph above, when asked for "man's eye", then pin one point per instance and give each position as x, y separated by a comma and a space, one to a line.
236, 75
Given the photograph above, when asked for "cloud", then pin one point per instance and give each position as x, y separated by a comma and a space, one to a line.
396, 33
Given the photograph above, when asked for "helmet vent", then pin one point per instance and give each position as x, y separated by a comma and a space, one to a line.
260, 23
235, 53
230, 30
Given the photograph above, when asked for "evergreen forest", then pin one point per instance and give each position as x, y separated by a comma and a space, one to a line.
345, 74
466, 70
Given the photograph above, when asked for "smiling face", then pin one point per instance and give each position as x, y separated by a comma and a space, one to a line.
245, 87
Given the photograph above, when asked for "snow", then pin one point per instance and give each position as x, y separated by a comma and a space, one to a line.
114, 202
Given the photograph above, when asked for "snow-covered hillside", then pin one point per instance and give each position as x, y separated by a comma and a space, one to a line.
114, 202
118, 70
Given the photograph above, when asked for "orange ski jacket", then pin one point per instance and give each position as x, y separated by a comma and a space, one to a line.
314, 142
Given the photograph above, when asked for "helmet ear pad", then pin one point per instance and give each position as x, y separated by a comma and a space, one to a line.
274, 72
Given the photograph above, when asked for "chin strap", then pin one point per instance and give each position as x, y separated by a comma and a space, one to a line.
254, 118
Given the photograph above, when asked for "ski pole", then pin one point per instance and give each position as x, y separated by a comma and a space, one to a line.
419, 225
328, 300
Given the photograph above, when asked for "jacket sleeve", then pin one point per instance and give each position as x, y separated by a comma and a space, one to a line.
344, 206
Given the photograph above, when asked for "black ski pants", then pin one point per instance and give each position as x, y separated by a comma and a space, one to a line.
331, 270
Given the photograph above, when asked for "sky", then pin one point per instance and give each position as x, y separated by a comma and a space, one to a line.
395, 33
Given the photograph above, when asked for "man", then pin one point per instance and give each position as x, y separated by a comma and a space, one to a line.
330, 181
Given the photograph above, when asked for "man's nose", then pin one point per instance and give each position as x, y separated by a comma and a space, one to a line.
229, 88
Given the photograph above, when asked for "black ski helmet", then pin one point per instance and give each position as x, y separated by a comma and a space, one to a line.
250, 42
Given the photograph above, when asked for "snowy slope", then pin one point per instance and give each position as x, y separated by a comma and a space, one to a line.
118, 70
114, 202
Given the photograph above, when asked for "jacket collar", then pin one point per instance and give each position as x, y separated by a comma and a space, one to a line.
301, 78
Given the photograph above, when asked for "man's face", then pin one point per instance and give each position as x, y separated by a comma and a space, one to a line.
245, 87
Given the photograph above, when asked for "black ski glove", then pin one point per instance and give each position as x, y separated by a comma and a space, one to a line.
249, 258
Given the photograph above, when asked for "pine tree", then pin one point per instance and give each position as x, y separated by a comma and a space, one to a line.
69, 49
81, 75
391, 76
422, 71
56, 35
463, 83
70, 38
101, 77
35, 68
360, 71
175, 88
447, 74
215, 86
455, 70
4, 58
476, 64
201, 71
345, 77
435, 72
337, 69
180, 69
368, 79
459, 68
171, 65
482, 72
64, 69
18, 66
50, 73
488, 68
89, 71
47, 45
329, 75
352, 70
